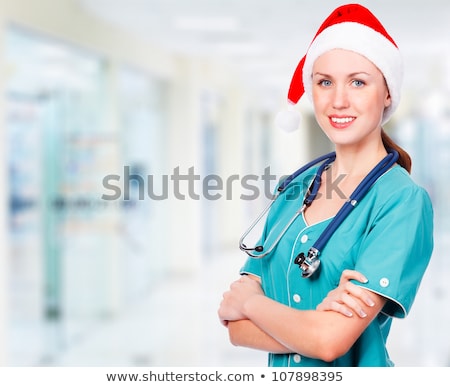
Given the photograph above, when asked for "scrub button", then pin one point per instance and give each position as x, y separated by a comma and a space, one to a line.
304, 239
384, 282
297, 358
296, 298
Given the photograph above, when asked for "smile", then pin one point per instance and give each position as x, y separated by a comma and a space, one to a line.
342, 120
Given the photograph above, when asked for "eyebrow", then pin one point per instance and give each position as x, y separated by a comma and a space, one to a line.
349, 75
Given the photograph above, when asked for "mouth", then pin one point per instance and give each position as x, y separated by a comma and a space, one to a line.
341, 122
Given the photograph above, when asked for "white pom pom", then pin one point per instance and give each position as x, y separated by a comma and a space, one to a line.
288, 120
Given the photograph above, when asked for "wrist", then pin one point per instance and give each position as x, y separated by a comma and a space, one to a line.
253, 304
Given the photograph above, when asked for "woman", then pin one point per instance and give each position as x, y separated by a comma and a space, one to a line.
373, 263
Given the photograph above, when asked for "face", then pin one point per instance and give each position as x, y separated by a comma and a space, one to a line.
349, 97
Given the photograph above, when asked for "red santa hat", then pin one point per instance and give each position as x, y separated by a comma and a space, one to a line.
349, 27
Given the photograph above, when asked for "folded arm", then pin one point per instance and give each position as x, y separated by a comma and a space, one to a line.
262, 323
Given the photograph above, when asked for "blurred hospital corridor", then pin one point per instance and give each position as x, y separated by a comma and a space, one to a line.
138, 143
176, 325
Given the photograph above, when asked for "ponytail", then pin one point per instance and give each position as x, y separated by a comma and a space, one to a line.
404, 159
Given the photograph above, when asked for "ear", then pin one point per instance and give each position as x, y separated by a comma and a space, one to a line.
387, 100
387, 97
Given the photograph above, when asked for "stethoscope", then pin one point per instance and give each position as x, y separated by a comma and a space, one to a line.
310, 263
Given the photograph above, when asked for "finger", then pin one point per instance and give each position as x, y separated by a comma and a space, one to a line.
348, 275
248, 280
249, 284
236, 284
351, 303
227, 312
336, 307
342, 301
359, 293
223, 321
254, 277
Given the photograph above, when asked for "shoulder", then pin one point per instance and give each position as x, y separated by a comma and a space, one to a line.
397, 189
398, 182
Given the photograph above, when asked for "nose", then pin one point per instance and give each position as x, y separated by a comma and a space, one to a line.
340, 97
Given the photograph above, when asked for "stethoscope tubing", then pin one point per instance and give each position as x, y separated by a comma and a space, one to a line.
329, 157
382, 167
313, 189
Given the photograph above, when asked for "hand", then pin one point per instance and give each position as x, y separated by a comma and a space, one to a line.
233, 301
348, 298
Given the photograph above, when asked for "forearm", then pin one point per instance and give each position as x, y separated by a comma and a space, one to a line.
278, 328
245, 333
315, 334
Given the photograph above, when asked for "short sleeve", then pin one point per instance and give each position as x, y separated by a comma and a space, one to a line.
397, 249
252, 266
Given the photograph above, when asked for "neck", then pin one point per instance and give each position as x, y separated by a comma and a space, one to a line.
355, 163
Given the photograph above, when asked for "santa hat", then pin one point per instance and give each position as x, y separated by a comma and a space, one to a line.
349, 27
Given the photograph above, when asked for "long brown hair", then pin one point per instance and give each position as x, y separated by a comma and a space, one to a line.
404, 158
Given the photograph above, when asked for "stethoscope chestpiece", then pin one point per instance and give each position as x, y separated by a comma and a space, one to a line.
308, 264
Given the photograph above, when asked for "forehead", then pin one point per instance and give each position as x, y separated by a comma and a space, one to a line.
344, 61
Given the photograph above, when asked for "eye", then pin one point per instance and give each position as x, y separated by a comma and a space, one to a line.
358, 83
324, 82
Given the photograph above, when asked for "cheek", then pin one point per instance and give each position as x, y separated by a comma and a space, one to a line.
374, 101
318, 100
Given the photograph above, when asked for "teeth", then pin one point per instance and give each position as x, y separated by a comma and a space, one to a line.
344, 120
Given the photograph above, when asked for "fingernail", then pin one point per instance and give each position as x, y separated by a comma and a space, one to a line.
370, 302
348, 313
364, 279
362, 313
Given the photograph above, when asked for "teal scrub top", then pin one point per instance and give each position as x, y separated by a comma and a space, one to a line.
388, 237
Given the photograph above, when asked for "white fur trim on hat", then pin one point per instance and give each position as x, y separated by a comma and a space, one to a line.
288, 119
365, 41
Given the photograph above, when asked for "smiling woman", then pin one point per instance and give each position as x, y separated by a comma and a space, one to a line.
348, 92
339, 314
